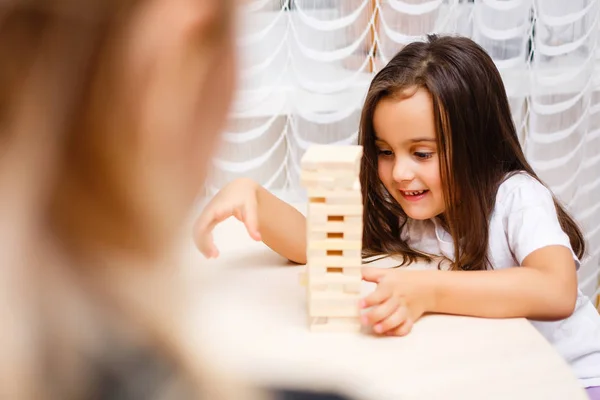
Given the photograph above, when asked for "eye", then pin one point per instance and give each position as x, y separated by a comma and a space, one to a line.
422, 155
385, 153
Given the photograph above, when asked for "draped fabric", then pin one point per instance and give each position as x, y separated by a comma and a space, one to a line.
306, 64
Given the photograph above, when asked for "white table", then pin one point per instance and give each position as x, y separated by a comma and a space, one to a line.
252, 316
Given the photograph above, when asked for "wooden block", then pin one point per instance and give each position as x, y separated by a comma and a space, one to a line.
348, 280
347, 253
336, 200
341, 211
352, 236
335, 170
333, 223
324, 282
314, 271
353, 287
318, 175
354, 279
312, 180
334, 324
335, 236
348, 275
331, 287
335, 196
314, 191
334, 307
352, 220
303, 278
335, 244
323, 262
332, 156
321, 284
348, 225
315, 218
333, 296
353, 253
324, 258
352, 272
319, 236
332, 273
315, 235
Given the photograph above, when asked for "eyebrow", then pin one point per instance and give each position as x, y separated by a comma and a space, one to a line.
415, 140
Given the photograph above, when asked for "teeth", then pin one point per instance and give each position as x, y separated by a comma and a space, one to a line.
414, 193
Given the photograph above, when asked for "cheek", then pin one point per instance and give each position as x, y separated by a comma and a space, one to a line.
434, 177
384, 170
436, 183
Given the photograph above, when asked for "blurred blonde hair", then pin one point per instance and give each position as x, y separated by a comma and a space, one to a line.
72, 202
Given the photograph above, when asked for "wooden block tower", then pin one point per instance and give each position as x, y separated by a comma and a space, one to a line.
330, 174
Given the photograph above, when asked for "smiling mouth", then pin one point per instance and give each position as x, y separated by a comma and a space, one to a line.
413, 193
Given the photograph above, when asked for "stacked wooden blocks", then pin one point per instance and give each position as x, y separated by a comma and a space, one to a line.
330, 174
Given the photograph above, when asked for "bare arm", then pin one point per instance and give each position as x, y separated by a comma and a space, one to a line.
281, 226
544, 288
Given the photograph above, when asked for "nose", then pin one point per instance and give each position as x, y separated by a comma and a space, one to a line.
402, 171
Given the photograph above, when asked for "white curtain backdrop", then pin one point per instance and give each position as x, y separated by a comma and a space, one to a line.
306, 65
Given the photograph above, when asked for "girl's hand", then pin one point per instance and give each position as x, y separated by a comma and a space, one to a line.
400, 299
237, 199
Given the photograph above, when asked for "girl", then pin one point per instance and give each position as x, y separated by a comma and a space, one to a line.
443, 174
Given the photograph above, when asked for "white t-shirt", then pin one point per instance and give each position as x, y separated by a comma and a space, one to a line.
524, 219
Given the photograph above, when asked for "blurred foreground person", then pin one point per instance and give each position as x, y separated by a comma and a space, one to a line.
109, 113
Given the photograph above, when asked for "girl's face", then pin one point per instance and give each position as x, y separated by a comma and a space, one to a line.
408, 159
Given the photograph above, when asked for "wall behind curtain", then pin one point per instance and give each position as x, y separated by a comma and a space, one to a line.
306, 65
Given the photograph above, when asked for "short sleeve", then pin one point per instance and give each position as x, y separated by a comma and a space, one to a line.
530, 217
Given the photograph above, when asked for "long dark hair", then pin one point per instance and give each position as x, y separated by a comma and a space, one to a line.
477, 142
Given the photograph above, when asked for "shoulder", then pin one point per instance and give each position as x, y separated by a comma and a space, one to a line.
520, 191
526, 215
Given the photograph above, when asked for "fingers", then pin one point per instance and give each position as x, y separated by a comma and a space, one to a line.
204, 243
380, 312
211, 217
203, 231
378, 296
248, 214
389, 311
390, 318
250, 219
395, 320
372, 274
403, 329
